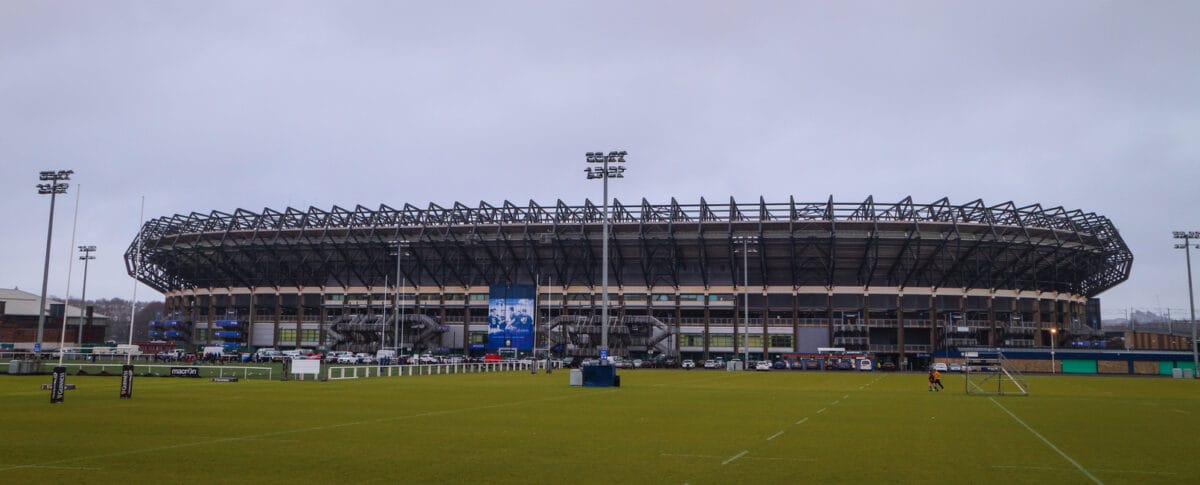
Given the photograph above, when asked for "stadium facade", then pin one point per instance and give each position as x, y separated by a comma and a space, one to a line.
902, 280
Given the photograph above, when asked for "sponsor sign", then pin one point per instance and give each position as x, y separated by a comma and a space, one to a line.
58, 385
224, 379
185, 372
127, 381
510, 317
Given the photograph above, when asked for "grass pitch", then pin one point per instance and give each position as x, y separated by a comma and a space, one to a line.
661, 426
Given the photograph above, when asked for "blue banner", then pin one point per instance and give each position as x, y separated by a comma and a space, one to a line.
510, 317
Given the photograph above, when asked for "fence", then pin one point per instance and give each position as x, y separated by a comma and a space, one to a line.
219, 371
363, 371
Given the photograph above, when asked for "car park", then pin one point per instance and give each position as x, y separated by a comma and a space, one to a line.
689, 364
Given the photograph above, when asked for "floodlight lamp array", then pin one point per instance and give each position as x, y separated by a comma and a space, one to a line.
46, 189
1186, 234
56, 175
611, 157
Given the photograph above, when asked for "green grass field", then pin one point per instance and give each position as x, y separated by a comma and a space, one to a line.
670, 427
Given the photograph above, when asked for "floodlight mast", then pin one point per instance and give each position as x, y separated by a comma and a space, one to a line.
52, 189
398, 337
605, 173
1187, 237
87, 256
745, 240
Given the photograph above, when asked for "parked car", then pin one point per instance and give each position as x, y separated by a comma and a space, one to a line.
940, 367
762, 365
956, 367
689, 364
637, 363
780, 364
710, 364
887, 366
346, 358
335, 356
365, 358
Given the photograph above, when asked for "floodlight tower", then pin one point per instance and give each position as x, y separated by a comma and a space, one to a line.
53, 188
745, 240
604, 173
87, 256
398, 337
1187, 237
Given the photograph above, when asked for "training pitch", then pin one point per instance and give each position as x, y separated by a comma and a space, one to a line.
661, 426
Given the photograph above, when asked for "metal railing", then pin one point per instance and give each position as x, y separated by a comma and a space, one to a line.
364, 371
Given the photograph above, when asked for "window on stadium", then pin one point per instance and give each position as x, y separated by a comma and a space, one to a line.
334, 297
310, 335
287, 335
579, 297
202, 334
721, 339
479, 296
781, 340
691, 297
454, 297
635, 297
720, 297
664, 297
692, 340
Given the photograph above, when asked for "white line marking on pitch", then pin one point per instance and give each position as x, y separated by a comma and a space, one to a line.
802, 421
1048, 443
834, 403
57, 467
739, 455
776, 435
847, 396
1141, 472
819, 411
1180, 411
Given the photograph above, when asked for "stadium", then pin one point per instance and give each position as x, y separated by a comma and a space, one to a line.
904, 281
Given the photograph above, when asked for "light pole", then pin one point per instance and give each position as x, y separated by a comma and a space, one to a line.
1053, 345
745, 240
1187, 237
398, 336
53, 189
604, 173
87, 256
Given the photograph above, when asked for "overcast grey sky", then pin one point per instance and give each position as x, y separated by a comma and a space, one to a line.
218, 105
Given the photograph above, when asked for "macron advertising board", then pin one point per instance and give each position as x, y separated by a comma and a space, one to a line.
510, 317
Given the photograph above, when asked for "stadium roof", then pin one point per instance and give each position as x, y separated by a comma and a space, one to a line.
939, 244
